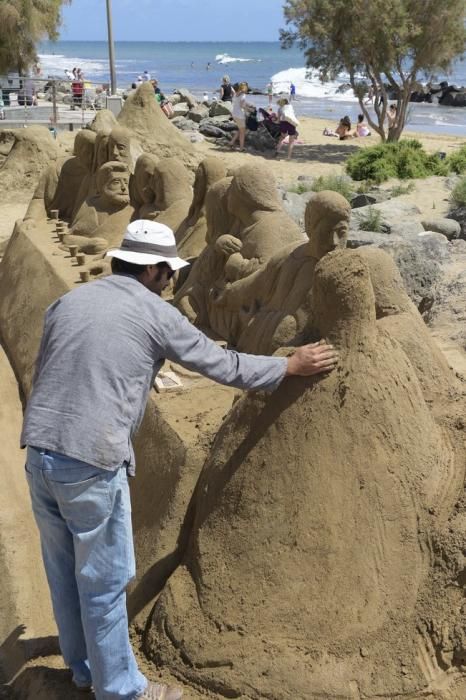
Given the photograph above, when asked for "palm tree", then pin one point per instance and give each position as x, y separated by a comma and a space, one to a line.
23, 23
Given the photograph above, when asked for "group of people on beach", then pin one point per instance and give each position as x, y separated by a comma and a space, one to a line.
284, 117
344, 130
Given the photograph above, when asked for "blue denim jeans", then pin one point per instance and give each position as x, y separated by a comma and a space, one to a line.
84, 518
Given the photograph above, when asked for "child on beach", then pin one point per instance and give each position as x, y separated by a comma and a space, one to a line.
288, 123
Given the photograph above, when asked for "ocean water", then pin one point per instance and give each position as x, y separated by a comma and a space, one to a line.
199, 66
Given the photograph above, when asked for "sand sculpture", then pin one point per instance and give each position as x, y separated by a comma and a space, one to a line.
273, 304
104, 120
65, 183
28, 152
265, 227
256, 227
327, 529
171, 184
303, 572
101, 221
122, 147
141, 191
194, 297
191, 234
142, 115
400, 317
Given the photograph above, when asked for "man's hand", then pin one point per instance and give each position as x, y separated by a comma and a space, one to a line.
312, 359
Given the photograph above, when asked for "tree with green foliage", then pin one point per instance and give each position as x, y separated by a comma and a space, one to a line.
385, 44
23, 23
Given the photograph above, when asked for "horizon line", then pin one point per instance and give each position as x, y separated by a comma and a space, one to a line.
173, 41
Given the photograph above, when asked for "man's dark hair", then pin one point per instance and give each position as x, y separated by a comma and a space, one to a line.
126, 267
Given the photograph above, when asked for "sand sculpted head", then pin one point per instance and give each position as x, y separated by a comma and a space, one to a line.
171, 183
142, 191
84, 145
119, 146
390, 293
343, 300
299, 578
100, 150
253, 189
113, 185
219, 219
326, 221
209, 171
397, 315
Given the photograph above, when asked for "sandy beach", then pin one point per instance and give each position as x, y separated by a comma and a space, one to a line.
41, 672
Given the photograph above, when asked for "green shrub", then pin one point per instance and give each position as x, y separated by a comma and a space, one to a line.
402, 159
457, 161
300, 188
458, 195
402, 189
333, 182
372, 221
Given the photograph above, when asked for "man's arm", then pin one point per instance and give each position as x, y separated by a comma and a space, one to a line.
189, 347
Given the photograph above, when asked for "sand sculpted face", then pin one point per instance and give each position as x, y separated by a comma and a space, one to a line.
299, 578
119, 146
113, 185
326, 221
104, 217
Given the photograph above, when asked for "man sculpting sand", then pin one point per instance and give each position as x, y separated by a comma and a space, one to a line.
102, 346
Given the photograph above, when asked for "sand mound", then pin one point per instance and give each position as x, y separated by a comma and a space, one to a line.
142, 114
309, 543
104, 120
31, 151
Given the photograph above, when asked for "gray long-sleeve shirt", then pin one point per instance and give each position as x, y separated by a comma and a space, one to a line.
102, 346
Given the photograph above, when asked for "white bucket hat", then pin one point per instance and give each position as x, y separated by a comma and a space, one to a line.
148, 243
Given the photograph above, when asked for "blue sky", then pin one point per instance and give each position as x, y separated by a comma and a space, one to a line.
175, 20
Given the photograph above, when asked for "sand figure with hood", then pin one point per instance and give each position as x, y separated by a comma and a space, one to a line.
191, 234
194, 298
265, 226
65, 183
309, 540
273, 303
397, 314
141, 191
102, 219
173, 193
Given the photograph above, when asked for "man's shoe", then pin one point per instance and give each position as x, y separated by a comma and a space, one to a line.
84, 688
160, 691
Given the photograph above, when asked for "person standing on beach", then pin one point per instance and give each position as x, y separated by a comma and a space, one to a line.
288, 123
102, 347
292, 91
239, 113
226, 89
270, 93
